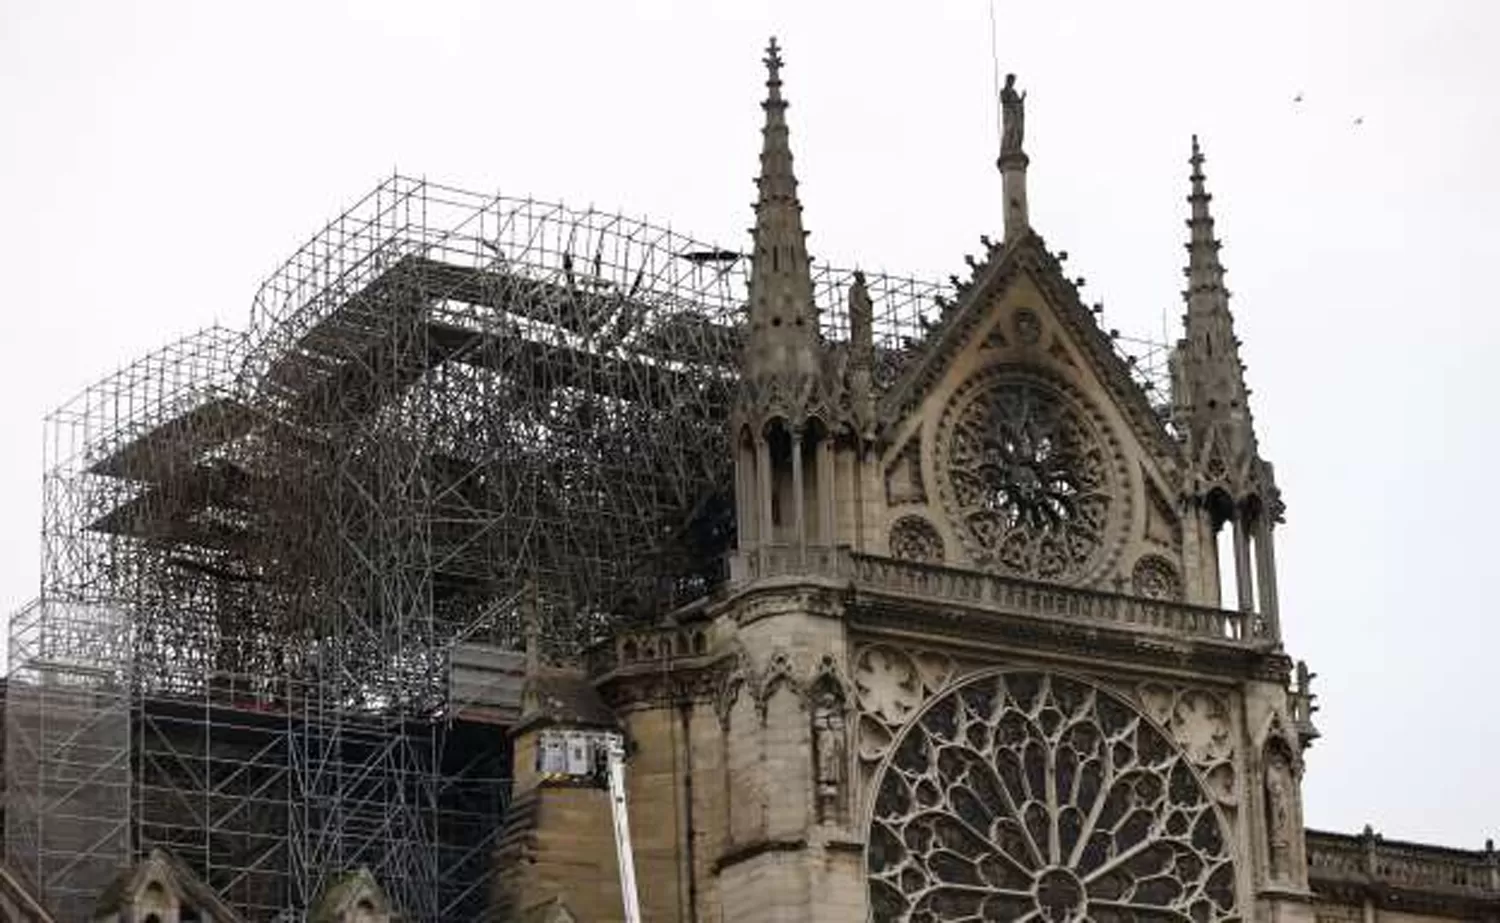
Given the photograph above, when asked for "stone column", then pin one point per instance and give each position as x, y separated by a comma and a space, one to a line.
766, 533
1013, 187
1242, 574
1265, 546
827, 488
799, 519
744, 493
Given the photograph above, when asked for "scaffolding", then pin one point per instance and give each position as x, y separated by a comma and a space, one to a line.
264, 550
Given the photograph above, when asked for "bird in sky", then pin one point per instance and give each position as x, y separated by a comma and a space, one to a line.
1298, 97
1360, 120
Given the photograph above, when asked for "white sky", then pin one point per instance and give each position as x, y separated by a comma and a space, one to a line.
159, 159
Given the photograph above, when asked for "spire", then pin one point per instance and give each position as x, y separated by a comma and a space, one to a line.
783, 337
1212, 393
1234, 487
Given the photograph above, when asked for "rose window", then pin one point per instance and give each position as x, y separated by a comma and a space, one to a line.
915, 539
1155, 578
1026, 478
1029, 796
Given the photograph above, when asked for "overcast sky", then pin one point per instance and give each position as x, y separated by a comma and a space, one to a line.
157, 160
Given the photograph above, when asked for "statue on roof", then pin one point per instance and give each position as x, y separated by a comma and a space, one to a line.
1013, 117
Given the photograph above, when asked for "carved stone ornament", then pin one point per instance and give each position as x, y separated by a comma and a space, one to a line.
1030, 481
1198, 721
1028, 327
913, 538
1033, 796
1280, 796
780, 672
903, 477
731, 682
830, 741
889, 686
1154, 577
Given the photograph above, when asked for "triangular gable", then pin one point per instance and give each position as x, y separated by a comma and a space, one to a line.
355, 897
1027, 255
163, 870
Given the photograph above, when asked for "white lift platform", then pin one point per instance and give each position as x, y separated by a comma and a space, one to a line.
598, 756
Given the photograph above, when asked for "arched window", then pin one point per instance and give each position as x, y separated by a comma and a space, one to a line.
1222, 513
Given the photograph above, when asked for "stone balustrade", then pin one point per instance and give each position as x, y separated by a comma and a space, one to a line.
937, 583
642, 647
1042, 600
929, 583
1335, 859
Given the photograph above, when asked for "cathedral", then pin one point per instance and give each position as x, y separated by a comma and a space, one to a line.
995, 636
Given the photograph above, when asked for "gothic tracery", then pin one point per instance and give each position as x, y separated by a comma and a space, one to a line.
1154, 577
915, 539
1027, 478
1032, 796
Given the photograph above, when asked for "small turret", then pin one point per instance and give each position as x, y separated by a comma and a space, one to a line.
1230, 483
783, 418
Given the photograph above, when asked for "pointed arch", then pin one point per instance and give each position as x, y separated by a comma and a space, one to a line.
739, 674
781, 672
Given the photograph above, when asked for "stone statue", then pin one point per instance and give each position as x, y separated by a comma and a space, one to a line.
1280, 787
1013, 121
861, 315
829, 758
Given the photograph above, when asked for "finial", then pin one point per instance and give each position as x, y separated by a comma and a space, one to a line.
1197, 174
773, 68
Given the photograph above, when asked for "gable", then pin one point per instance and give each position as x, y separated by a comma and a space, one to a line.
1020, 331
158, 881
1026, 264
